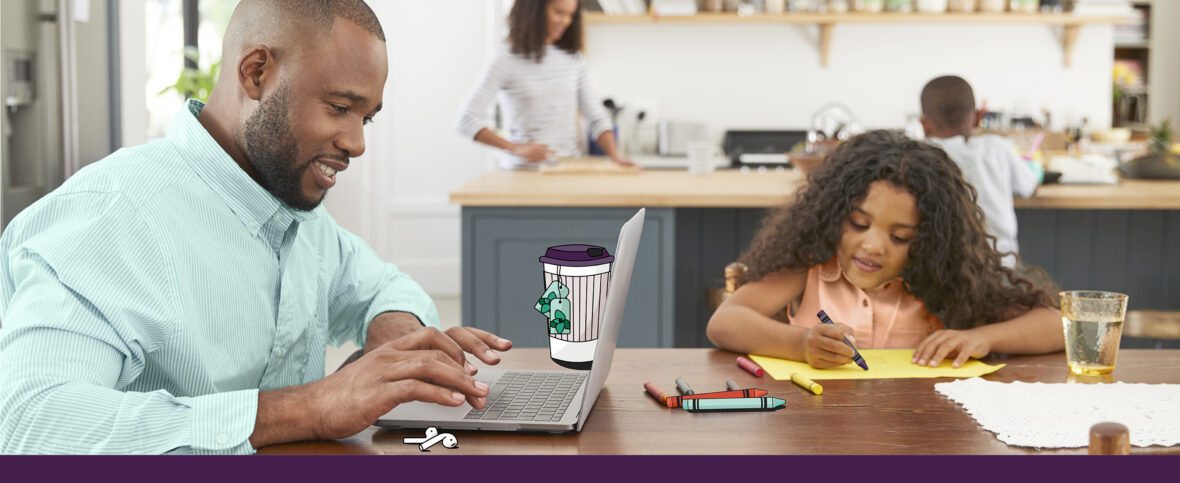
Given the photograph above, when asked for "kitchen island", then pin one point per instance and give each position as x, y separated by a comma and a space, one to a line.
1123, 238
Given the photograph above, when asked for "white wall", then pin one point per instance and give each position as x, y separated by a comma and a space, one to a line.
768, 76
729, 76
396, 195
1164, 64
133, 73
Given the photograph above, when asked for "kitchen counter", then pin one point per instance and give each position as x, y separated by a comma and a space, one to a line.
735, 189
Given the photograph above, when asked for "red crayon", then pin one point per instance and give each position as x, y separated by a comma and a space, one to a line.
655, 392
750, 366
675, 401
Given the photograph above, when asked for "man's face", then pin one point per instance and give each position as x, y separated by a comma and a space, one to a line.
308, 128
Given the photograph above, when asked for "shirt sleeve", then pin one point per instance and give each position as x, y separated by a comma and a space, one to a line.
87, 298
1023, 178
473, 114
590, 105
365, 287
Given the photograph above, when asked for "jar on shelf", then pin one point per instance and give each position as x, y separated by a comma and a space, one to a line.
899, 6
838, 6
930, 6
871, 6
993, 6
1024, 6
776, 7
713, 6
963, 6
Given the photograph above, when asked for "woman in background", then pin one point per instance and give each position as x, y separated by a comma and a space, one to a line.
540, 76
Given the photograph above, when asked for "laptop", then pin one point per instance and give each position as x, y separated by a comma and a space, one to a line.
524, 400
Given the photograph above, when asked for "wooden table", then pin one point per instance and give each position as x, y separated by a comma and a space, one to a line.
888, 416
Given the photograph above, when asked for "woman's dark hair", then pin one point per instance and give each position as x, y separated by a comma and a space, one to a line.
528, 27
954, 268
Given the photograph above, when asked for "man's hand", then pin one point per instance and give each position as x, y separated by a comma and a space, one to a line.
351, 399
391, 326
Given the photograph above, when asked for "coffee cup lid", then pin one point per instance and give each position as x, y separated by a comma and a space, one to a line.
576, 255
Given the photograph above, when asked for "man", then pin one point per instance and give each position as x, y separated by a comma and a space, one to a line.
178, 296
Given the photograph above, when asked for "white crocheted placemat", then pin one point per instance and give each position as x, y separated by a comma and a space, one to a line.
1041, 415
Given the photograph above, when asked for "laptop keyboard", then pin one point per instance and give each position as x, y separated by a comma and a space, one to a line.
531, 396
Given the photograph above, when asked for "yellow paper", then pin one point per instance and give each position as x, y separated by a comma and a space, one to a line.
883, 364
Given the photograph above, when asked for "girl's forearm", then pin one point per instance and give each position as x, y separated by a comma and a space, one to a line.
1038, 331
742, 329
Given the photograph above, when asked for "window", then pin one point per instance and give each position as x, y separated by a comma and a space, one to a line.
165, 21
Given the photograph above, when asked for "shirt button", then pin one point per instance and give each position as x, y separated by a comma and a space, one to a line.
222, 439
279, 353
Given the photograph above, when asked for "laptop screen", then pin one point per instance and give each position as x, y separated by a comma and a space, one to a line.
616, 298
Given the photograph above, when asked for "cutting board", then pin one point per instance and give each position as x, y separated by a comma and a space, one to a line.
592, 165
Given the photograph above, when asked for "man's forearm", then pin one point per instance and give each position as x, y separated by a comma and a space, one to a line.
282, 417
388, 326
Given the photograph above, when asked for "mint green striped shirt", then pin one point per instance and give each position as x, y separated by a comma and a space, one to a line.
147, 301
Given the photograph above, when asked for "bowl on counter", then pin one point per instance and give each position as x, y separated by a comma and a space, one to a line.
1118, 135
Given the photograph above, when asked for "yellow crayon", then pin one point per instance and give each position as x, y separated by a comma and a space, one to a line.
807, 384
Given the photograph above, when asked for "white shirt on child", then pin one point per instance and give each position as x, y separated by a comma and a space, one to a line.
991, 164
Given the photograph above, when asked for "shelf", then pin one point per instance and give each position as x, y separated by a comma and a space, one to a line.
1071, 24
594, 18
1132, 45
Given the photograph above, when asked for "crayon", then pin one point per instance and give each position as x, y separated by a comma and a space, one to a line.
736, 404
860, 361
731, 385
807, 384
656, 392
675, 401
682, 386
750, 366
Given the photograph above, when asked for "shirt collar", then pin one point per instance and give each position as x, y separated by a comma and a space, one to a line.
253, 205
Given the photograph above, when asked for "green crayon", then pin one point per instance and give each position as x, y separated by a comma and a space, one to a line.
733, 404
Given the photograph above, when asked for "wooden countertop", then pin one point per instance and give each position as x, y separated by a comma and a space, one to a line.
734, 189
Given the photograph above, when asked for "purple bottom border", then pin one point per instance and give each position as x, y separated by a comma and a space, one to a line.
569, 469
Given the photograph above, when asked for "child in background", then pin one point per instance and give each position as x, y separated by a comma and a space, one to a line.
887, 239
990, 163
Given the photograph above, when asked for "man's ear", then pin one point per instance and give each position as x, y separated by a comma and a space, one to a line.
978, 118
927, 126
255, 67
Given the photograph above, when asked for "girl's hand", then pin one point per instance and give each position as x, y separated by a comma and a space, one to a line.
943, 343
532, 152
824, 346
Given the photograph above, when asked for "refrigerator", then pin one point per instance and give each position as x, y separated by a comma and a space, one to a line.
51, 123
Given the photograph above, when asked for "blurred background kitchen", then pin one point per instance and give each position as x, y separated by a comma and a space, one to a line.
757, 79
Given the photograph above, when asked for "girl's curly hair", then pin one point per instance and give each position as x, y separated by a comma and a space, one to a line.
954, 268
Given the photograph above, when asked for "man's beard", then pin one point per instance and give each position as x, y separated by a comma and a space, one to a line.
272, 150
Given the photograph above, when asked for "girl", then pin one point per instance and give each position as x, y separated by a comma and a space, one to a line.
541, 78
887, 238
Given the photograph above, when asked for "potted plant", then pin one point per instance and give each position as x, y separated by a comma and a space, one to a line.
195, 83
1161, 161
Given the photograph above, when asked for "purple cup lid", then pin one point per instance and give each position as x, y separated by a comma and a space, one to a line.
576, 255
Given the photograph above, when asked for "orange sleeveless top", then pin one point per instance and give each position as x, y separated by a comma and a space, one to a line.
884, 317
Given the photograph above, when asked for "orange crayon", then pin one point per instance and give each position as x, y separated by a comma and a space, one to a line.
656, 392
676, 401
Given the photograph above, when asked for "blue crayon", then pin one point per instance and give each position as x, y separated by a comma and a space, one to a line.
860, 361
732, 404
